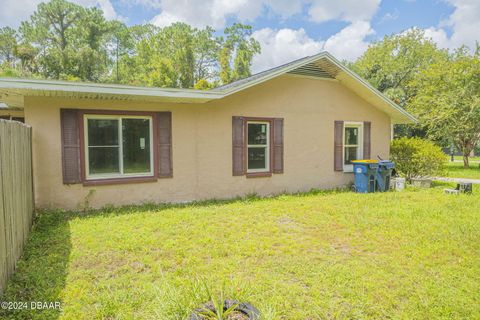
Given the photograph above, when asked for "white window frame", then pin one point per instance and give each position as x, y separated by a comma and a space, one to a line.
97, 176
359, 145
266, 146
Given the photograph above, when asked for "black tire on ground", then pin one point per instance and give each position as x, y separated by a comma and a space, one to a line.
246, 308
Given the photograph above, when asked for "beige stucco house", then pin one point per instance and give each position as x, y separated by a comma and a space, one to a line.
288, 129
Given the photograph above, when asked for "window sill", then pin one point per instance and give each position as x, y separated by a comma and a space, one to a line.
258, 174
104, 182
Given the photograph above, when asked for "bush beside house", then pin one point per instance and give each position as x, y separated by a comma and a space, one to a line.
417, 158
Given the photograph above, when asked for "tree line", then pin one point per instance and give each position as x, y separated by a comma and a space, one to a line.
62, 40
440, 87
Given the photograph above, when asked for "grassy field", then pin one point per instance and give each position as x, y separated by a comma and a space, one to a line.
333, 255
456, 170
460, 158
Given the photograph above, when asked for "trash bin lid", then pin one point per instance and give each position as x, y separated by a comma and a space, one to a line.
365, 161
387, 164
372, 164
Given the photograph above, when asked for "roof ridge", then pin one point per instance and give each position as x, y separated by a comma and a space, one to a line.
257, 75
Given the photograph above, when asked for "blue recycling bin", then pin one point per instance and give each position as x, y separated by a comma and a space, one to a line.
384, 174
365, 175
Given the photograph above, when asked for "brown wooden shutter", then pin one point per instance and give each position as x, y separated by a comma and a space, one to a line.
238, 146
71, 169
338, 151
165, 166
278, 145
366, 140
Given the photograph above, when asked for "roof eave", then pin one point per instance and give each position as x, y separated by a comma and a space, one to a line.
403, 116
33, 87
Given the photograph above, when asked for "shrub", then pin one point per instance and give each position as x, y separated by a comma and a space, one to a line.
416, 158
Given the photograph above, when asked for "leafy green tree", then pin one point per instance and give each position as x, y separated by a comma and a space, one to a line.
91, 57
52, 28
206, 47
391, 65
448, 100
180, 49
70, 39
192, 54
203, 84
8, 41
239, 41
27, 54
63, 40
225, 55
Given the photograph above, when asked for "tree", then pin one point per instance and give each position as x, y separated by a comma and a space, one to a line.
63, 40
52, 29
448, 100
206, 47
203, 84
238, 40
191, 57
91, 56
391, 64
27, 53
8, 41
71, 41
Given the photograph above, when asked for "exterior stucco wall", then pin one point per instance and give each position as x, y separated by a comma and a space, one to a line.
202, 144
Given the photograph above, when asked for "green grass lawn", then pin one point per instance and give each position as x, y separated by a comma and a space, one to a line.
460, 158
456, 170
333, 255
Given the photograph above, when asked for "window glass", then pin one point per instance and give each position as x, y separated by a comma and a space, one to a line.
102, 132
118, 146
103, 160
103, 148
258, 146
351, 135
350, 154
352, 144
257, 158
257, 133
136, 145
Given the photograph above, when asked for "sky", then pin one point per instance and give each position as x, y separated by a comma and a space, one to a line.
291, 29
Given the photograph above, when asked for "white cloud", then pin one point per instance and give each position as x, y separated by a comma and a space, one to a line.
216, 12
208, 12
15, 11
285, 8
281, 46
464, 23
105, 5
439, 36
346, 10
350, 42
108, 10
284, 45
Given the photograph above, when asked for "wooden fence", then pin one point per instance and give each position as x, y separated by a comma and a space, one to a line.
16, 194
